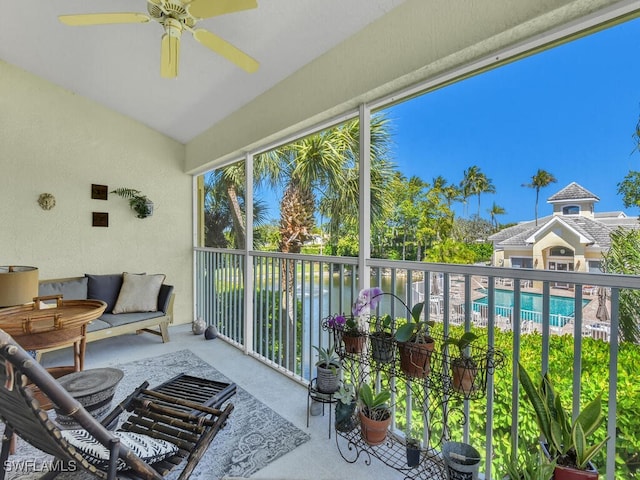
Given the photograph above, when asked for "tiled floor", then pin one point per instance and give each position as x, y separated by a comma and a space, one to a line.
318, 459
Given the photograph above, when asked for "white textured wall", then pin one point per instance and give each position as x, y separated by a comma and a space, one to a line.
54, 141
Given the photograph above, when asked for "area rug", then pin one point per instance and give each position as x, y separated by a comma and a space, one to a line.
254, 436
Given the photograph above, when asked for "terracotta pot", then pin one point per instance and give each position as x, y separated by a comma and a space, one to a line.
354, 344
464, 378
374, 432
415, 358
567, 473
382, 347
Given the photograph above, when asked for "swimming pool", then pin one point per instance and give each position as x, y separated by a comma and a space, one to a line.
532, 302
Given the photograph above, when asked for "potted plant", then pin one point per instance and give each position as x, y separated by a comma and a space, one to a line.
464, 368
138, 202
412, 444
328, 366
357, 325
566, 439
345, 407
353, 336
375, 415
528, 465
381, 338
415, 344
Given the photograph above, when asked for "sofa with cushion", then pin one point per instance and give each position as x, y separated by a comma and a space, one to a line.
135, 302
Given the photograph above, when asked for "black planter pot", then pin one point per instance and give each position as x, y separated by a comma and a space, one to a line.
382, 347
345, 416
413, 456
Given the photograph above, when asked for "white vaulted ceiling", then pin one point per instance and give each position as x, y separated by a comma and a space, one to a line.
118, 66
318, 59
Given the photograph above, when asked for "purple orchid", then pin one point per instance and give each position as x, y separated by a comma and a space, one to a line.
337, 322
368, 298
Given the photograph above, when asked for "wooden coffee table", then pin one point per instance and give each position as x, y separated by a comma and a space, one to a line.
64, 324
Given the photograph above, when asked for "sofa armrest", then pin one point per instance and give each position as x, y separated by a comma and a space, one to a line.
165, 300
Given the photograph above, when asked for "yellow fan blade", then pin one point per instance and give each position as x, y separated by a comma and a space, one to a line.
102, 18
213, 8
224, 48
169, 56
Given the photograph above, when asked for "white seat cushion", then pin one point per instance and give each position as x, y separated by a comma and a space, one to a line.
149, 449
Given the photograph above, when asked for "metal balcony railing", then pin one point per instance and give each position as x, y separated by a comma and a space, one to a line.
273, 309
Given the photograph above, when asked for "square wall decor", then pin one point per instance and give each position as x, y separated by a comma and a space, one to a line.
99, 192
100, 219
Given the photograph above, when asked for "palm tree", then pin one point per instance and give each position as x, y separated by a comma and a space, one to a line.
494, 211
468, 184
475, 182
483, 185
325, 166
224, 208
541, 179
452, 193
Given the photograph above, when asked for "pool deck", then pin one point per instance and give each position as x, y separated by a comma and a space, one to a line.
592, 326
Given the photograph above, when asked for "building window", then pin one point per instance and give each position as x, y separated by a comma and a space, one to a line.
561, 252
521, 262
594, 266
571, 210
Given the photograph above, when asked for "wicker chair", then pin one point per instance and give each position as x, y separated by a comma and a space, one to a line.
184, 433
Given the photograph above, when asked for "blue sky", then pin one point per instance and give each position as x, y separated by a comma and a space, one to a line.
571, 110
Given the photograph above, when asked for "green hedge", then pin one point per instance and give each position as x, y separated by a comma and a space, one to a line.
595, 378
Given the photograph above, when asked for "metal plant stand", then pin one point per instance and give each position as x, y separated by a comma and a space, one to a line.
324, 398
441, 405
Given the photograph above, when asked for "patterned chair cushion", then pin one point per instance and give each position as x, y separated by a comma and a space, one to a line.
151, 450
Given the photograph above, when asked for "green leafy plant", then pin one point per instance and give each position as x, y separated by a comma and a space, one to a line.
566, 440
327, 358
138, 202
415, 330
412, 436
352, 328
381, 324
462, 343
346, 394
529, 465
374, 406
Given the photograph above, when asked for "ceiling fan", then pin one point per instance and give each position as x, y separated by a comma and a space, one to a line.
177, 16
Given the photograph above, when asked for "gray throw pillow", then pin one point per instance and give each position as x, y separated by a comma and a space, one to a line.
105, 288
75, 289
139, 293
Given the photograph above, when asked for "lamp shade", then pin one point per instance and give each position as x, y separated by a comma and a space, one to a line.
18, 285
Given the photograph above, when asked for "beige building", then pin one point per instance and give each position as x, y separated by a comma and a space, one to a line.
573, 238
